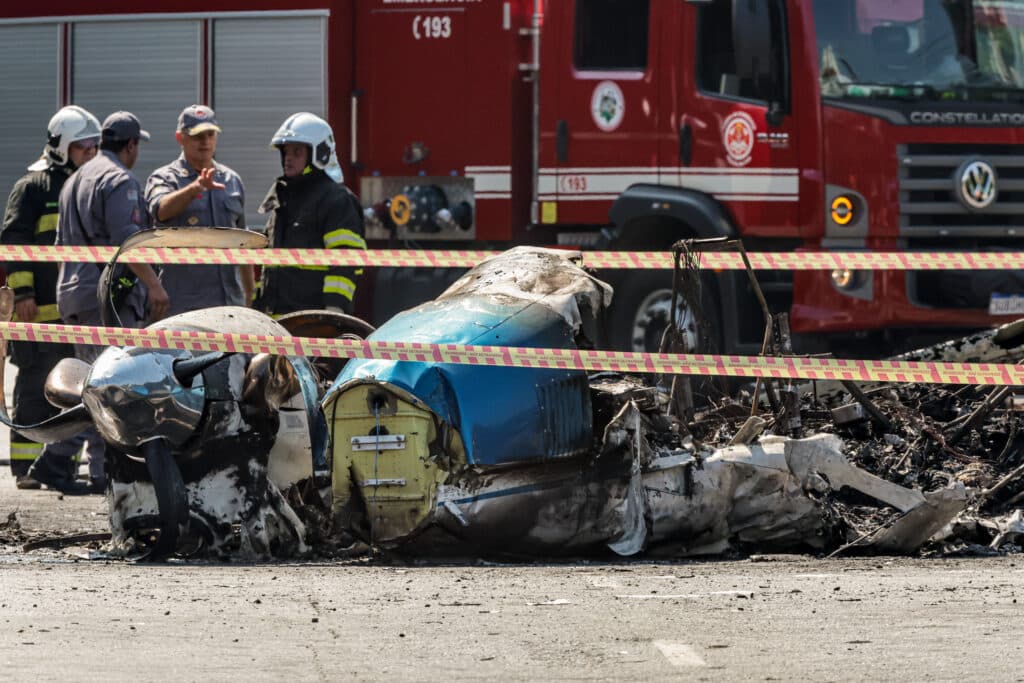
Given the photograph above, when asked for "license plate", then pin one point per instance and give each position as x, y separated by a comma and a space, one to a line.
1006, 304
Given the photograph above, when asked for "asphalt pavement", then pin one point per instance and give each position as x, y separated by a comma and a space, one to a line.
71, 613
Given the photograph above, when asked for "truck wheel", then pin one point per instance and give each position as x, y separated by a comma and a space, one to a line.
641, 310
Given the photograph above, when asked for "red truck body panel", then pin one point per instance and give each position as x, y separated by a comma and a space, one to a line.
443, 95
446, 77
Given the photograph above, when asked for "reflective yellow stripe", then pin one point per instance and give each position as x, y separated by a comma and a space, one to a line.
44, 314
25, 450
339, 284
21, 278
343, 238
47, 223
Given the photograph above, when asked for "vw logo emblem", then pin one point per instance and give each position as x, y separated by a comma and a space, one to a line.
977, 184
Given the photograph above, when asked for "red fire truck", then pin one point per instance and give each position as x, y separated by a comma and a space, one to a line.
619, 124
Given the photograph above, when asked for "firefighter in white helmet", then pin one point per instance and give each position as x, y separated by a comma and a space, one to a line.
309, 208
31, 218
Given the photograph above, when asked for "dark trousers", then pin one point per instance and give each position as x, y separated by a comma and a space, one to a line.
34, 361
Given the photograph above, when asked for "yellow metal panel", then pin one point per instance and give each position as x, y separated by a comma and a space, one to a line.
398, 486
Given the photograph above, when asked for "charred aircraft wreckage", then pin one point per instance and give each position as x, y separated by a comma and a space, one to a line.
258, 456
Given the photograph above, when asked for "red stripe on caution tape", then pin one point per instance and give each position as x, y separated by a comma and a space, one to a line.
442, 258
570, 359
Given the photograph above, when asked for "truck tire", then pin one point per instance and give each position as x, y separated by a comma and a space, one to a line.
642, 306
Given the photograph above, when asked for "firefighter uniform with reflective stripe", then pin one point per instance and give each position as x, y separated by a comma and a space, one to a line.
311, 211
31, 218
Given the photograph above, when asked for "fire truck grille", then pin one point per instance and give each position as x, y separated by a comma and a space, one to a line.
930, 198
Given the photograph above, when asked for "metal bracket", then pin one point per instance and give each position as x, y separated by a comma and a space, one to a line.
382, 482
381, 442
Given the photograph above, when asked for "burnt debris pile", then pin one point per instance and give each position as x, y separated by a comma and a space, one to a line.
930, 438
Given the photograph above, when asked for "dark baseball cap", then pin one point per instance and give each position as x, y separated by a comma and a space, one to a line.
197, 119
123, 125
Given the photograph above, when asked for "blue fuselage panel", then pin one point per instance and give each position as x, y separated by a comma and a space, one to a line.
505, 415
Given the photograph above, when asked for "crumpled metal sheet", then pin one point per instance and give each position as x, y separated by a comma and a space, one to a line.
638, 497
238, 457
525, 297
537, 275
1001, 344
912, 530
771, 494
236, 511
1010, 529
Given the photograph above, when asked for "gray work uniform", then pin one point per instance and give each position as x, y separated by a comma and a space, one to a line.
191, 287
101, 205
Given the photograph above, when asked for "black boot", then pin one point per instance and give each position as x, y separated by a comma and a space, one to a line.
58, 474
25, 482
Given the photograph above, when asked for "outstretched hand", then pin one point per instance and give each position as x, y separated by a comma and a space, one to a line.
206, 180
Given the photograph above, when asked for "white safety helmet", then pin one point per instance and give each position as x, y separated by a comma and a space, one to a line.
310, 129
70, 124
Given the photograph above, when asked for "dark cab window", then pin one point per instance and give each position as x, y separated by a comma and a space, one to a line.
742, 49
611, 35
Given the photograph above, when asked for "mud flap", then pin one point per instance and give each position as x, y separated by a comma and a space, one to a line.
172, 500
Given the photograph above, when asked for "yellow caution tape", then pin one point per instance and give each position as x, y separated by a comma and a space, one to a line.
444, 258
655, 363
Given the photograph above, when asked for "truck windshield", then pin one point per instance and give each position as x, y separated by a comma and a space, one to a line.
956, 50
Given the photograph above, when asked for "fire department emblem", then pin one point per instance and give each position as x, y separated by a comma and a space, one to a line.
977, 184
738, 135
607, 106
